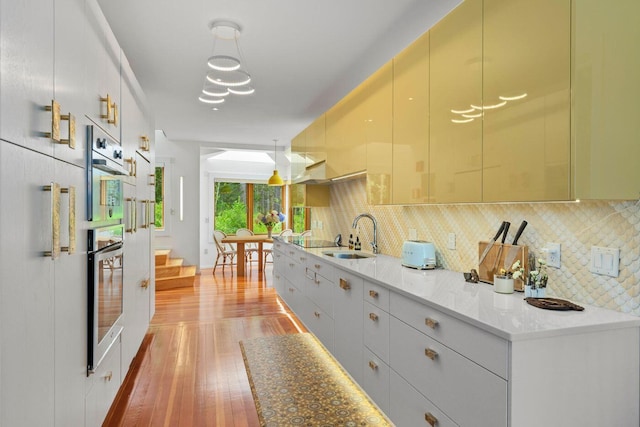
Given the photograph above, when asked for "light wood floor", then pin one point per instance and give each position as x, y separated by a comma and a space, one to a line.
189, 370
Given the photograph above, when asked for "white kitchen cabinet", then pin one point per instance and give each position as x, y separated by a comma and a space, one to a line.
43, 300
347, 310
102, 59
375, 379
376, 330
135, 131
103, 386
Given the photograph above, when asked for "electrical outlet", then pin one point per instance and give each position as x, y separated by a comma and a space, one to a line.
451, 241
553, 255
206, 251
413, 234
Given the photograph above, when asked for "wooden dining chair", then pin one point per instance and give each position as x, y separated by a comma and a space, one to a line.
249, 248
224, 252
306, 233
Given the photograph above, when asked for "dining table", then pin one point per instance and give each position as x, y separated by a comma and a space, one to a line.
240, 241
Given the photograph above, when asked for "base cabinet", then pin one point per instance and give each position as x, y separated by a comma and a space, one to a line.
408, 407
102, 387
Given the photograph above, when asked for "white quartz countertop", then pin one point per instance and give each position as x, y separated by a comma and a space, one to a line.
505, 315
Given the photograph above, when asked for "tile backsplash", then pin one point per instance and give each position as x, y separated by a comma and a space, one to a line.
576, 226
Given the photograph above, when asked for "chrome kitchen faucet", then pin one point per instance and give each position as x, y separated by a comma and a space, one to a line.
374, 244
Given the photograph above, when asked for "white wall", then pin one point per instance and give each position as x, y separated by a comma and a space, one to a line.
181, 161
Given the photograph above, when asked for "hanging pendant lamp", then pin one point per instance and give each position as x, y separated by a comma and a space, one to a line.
276, 179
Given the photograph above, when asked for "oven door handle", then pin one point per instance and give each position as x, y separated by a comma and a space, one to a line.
110, 251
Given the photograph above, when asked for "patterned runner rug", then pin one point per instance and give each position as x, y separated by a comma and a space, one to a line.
296, 382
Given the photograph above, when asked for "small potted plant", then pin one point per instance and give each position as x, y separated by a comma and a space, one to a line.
536, 286
504, 282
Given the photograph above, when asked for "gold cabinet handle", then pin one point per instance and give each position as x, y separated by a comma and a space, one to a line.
303, 258
145, 283
373, 317
71, 191
373, 294
291, 265
144, 143
152, 181
344, 284
144, 204
431, 354
54, 188
110, 105
291, 290
429, 418
432, 323
131, 208
315, 313
132, 165
317, 266
108, 376
54, 108
373, 365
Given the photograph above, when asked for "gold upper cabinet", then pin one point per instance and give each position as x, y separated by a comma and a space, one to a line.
316, 146
377, 130
526, 100
411, 123
298, 155
455, 87
346, 150
606, 99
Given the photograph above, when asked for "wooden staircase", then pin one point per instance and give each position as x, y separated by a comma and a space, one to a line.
170, 273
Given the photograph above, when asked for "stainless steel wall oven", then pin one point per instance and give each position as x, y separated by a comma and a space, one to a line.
106, 256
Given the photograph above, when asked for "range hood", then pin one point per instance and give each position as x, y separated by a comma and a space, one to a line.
314, 174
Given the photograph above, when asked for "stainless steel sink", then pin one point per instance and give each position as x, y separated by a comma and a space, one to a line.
348, 254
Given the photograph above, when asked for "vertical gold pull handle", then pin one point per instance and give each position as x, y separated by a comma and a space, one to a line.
373, 317
429, 418
131, 208
432, 323
431, 354
110, 105
373, 294
152, 181
144, 143
344, 284
114, 120
71, 191
55, 121
54, 188
151, 218
145, 204
71, 139
373, 365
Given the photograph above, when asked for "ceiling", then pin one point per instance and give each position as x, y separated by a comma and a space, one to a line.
303, 56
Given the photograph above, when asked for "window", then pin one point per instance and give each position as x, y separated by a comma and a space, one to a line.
237, 204
300, 219
159, 205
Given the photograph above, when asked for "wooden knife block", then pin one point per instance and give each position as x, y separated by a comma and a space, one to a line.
494, 261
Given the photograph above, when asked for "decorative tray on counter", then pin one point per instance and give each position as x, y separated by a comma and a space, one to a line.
553, 304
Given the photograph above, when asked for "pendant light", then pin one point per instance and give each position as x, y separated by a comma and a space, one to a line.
276, 179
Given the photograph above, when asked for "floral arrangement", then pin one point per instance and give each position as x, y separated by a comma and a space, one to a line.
515, 272
538, 278
270, 219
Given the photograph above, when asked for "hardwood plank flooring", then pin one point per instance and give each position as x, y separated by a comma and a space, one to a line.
189, 370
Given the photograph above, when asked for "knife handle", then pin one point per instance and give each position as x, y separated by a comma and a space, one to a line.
507, 224
523, 225
500, 230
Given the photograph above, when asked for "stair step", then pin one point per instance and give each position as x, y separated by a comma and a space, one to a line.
185, 279
170, 268
162, 255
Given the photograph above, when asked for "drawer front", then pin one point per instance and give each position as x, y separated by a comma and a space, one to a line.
375, 379
319, 323
319, 290
376, 295
376, 330
294, 272
409, 408
321, 268
348, 327
105, 383
468, 393
482, 347
293, 297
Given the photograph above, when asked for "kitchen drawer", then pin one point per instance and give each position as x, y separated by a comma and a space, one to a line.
293, 297
375, 379
319, 323
377, 295
376, 330
408, 408
482, 347
468, 393
103, 387
319, 290
321, 268
279, 246
294, 271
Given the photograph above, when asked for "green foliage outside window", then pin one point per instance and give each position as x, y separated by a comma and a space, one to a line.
159, 206
230, 206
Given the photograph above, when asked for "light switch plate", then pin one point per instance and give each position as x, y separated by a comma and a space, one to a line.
605, 261
553, 255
